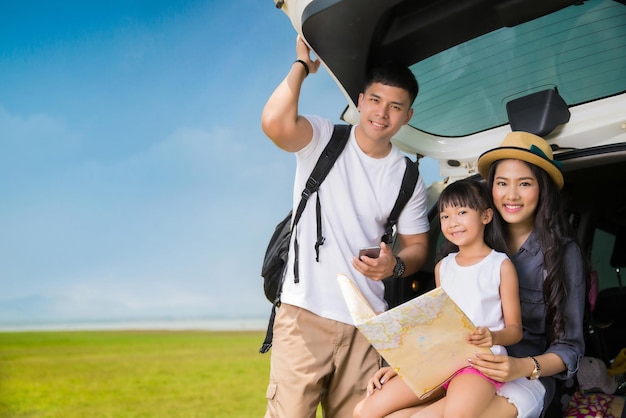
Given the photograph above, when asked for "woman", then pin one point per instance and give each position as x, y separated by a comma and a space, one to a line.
525, 181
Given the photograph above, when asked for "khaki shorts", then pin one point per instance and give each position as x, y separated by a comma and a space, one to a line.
317, 360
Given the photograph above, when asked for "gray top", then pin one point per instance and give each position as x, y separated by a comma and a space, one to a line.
570, 347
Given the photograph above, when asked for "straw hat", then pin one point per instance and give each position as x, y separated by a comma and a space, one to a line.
525, 147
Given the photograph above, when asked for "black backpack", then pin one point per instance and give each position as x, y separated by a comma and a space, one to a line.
275, 260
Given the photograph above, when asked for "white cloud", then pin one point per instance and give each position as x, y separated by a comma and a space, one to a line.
30, 142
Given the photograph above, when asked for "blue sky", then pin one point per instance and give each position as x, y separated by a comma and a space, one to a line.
136, 181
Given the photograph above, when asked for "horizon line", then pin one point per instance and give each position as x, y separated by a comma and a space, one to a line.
223, 324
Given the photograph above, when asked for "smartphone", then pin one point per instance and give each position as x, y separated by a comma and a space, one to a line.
371, 252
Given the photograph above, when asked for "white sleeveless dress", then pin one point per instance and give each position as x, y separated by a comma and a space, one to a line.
476, 290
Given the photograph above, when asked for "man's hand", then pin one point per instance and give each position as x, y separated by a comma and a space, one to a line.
303, 52
376, 268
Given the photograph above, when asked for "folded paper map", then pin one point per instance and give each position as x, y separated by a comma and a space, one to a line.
422, 339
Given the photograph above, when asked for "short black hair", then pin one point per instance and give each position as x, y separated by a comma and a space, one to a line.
393, 74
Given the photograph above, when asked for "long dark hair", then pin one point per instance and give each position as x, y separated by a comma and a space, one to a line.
472, 194
553, 232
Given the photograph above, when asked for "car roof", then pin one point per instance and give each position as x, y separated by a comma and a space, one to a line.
556, 68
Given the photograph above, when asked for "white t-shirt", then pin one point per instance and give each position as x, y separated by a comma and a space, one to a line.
356, 198
476, 290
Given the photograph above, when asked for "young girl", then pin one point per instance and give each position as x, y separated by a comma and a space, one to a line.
484, 284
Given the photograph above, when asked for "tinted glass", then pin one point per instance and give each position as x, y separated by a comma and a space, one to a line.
580, 51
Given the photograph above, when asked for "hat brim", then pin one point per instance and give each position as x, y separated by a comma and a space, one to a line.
507, 153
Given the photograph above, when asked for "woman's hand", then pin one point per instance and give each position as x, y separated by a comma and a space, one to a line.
499, 367
382, 376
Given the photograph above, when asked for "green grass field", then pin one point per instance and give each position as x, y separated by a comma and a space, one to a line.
132, 374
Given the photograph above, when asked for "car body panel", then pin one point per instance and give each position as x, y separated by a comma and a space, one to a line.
348, 35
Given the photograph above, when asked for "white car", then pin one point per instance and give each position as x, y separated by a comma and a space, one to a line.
556, 68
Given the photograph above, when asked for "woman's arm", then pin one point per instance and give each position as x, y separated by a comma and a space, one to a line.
570, 346
504, 368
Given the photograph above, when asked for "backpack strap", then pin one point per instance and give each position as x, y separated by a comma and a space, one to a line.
331, 152
337, 143
409, 181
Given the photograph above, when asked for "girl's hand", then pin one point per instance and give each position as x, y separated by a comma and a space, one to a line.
481, 337
382, 376
498, 367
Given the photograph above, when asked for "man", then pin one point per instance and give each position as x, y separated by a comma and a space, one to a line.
318, 355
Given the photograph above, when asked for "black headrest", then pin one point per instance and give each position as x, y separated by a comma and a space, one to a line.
618, 258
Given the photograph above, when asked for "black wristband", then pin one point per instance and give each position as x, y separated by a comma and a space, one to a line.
306, 66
